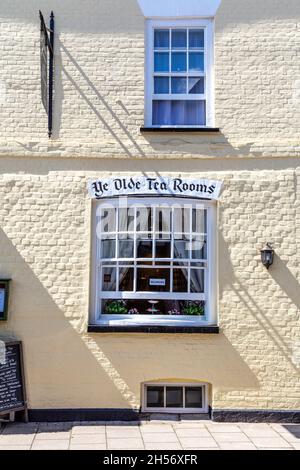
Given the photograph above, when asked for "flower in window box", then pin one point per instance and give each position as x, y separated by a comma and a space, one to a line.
116, 307
133, 311
174, 311
193, 308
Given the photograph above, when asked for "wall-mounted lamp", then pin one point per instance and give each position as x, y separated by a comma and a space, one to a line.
4, 293
267, 256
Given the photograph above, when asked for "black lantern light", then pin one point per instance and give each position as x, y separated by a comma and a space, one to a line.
4, 293
267, 256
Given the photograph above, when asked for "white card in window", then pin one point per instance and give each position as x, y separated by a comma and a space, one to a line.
157, 282
2, 299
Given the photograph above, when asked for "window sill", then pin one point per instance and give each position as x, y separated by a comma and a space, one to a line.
153, 329
180, 129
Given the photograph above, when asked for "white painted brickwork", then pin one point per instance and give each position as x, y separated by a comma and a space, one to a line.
99, 82
45, 210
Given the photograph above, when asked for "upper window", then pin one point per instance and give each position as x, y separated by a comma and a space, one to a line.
179, 63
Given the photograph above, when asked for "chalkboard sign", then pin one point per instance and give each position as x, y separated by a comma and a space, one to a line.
12, 385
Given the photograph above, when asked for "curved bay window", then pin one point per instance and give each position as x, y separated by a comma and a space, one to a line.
154, 261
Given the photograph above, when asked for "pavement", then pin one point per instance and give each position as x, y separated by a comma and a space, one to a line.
161, 435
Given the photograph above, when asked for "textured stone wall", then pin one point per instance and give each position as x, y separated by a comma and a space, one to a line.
99, 82
45, 242
45, 212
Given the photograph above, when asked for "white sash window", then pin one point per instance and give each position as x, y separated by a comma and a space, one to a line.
179, 61
155, 261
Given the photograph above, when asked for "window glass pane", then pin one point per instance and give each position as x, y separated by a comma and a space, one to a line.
126, 248
197, 281
161, 113
153, 280
198, 247
196, 62
144, 219
193, 308
180, 280
178, 85
109, 279
161, 39
108, 249
199, 220
181, 222
174, 397
179, 38
126, 219
163, 219
161, 85
155, 397
171, 112
114, 307
126, 275
193, 397
144, 248
178, 62
108, 220
161, 62
163, 249
182, 248
196, 85
196, 38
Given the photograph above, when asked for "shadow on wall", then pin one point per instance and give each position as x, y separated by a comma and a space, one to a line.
66, 368
95, 101
112, 121
252, 308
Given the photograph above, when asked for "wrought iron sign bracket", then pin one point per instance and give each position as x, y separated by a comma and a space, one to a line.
47, 67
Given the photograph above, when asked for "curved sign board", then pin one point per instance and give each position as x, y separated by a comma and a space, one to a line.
154, 186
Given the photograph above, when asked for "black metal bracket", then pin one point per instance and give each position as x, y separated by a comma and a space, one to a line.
47, 68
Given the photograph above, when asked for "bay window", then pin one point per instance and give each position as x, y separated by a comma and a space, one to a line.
154, 261
179, 58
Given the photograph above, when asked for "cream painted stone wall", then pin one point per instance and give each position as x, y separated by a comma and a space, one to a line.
99, 82
45, 212
44, 242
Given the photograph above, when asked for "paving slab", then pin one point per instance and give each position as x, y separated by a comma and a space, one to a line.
53, 435
123, 432
195, 432
197, 442
270, 442
13, 447
88, 447
58, 444
237, 446
88, 439
17, 439
165, 437
88, 430
163, 446
230, 437
156, 428
223, 428
129, 443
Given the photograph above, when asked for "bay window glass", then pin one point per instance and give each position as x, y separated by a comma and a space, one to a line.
179, 73
153, 259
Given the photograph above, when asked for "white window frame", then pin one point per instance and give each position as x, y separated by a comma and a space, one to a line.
208, 96
182, 410
165, 320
